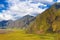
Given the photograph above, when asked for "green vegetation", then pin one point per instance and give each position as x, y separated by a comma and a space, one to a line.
21, 35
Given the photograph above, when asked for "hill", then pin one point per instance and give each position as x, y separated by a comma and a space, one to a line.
48, 21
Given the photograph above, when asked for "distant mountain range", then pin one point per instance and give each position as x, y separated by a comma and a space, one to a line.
3, 23
48, 21
22, 22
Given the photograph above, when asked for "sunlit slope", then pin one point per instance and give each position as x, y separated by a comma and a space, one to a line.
48, 21
21, 35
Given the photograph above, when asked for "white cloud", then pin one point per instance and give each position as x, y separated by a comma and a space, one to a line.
49, 0
19, 9
58, 1
6, 17
24, 7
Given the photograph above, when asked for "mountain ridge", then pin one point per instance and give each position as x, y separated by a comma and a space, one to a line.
48, 21
22, 22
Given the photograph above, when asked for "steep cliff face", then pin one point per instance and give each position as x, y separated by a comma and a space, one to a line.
22, 22
48, 21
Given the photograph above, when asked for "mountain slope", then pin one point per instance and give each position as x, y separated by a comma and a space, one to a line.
48, 21
3, 23
22, 22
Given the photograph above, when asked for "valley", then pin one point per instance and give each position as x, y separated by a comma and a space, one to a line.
45, 26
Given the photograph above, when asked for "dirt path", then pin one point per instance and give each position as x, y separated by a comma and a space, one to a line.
3, 31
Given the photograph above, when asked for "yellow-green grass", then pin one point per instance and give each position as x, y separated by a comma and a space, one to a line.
21, 35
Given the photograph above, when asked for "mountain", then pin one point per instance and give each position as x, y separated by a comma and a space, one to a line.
48, 21
22, 22
3, 23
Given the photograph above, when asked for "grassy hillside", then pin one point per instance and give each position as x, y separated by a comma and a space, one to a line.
21, 35
48, 21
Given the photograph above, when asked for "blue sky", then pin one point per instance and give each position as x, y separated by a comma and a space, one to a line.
13, 9
3, 5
